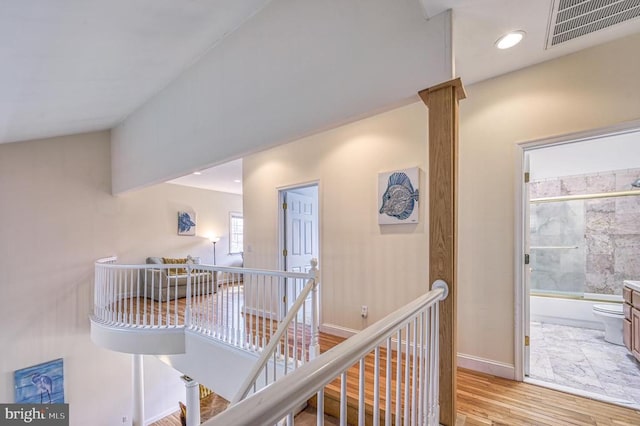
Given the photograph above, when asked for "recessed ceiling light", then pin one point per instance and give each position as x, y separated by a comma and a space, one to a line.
237, 180
510, 39
197, 173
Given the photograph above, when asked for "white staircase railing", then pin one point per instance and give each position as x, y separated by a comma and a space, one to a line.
275, 353
242, 307
405, 384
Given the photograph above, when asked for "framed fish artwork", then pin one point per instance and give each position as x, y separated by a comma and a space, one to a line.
398, 197
40, 384
186, 223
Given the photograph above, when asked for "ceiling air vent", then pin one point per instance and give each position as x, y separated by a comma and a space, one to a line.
574, 18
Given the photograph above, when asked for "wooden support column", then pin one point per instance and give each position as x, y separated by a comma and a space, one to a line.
442, 102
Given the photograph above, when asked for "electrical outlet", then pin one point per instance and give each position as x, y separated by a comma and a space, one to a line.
124, 419
364, 311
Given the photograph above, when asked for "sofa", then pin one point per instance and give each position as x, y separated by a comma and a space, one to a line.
161, 284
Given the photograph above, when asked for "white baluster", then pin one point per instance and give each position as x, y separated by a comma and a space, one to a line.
407, 383
139, 317
414, 371
306, 351
153, 304
432, 356
249, 301
361, 412
376, 387
124, 297
176, 298
237, 331
436, 367
421, 375
263, 343
167, 302
387, 405
320, 410
131, 296
109, 297
295, 335
98, 293
145, 316
314, 347
228, 318
119, 296
398, 377
343, 399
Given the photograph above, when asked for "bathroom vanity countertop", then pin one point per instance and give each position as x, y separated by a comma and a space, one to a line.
634, 285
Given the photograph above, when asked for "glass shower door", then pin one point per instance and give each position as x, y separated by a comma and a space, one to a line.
557, 236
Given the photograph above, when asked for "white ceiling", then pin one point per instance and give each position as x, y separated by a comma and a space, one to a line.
479, 23
595, 155
224, 178
72, 66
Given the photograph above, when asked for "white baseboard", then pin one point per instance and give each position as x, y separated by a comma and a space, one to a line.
487, 366
469, 362
338, 330
162, 415
259, 313
344, 332
592, 325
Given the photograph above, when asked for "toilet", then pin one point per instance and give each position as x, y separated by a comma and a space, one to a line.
611, 316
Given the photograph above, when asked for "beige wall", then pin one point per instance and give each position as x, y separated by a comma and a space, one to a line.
587, 90
56, 217
361, 262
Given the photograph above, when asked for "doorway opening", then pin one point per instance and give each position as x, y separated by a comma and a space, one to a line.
579, 243
299, 227
298, 232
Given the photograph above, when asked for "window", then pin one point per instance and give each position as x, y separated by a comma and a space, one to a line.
236, 224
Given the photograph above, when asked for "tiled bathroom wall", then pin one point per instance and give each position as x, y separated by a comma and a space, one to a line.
585, 246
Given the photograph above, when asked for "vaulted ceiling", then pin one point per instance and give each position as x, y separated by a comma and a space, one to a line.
71, 66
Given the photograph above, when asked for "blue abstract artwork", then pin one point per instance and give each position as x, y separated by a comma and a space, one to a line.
186, 223
399, 195
40, 384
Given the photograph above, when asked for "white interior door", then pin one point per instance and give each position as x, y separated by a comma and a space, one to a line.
300, 235
301, 231
527, 267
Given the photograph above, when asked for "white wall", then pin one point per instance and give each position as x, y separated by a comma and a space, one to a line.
593, 88
361, 262
56, 217
295, 68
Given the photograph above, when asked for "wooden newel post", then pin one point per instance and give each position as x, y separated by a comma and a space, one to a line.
442, 102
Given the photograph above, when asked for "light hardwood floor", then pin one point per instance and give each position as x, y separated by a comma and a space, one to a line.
488, 400
210, 405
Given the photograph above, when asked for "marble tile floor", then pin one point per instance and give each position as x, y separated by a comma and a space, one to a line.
580, 359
